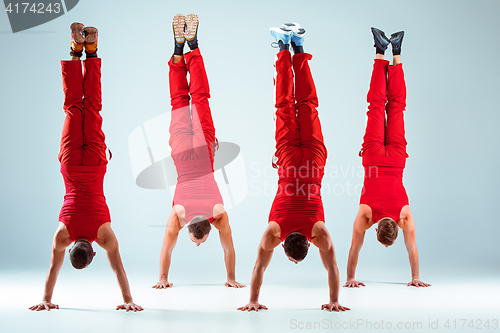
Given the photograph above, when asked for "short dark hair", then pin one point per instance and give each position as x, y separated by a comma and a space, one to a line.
387, 231
199, 226
296, 246
81, 254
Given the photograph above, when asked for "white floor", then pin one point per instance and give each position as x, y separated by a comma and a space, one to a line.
87, 304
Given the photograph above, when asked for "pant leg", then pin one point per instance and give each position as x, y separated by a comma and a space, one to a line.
94, 152
374, 139
201, 116
179, 89
181, 133
71, 149
288, 145
311, 136
395, 141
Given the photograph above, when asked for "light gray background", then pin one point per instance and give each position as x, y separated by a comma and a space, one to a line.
449, 54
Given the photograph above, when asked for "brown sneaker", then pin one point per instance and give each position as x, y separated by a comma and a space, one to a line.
90, 39
178, 24
77, 39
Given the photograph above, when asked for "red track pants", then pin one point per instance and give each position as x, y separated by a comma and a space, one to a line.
191, 131
82, 140
299, 140
387, 94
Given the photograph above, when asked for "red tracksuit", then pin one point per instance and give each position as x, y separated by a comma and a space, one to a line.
384, 147
83, 152
300, 152
192, 138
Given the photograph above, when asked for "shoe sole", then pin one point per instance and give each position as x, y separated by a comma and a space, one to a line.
299, 33
281, 31
76, 33
295, 28
91, 37
178, 24
191, 26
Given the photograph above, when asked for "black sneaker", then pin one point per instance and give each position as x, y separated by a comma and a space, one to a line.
381, 41
396, 41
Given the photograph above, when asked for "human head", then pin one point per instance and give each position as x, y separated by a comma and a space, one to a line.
387, 231
296, 246
199, 228
81, 254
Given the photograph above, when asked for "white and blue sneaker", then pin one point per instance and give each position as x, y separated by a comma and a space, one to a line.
285, 36
297, 32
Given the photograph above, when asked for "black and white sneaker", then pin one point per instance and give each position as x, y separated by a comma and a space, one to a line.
297, 32
280, 34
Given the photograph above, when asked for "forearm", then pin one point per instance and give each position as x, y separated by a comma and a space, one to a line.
50, 283
352, 264
358, 236
226, 241
55, 266
257, 278
165, 259
116, 264
121, 276
169, 242
334, 283
230, 261
264, 256
413, 256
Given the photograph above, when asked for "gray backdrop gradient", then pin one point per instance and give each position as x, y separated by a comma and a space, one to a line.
449, 53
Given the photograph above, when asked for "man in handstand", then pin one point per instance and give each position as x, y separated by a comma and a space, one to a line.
197, 201
84, 217
384, 201
296, 216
